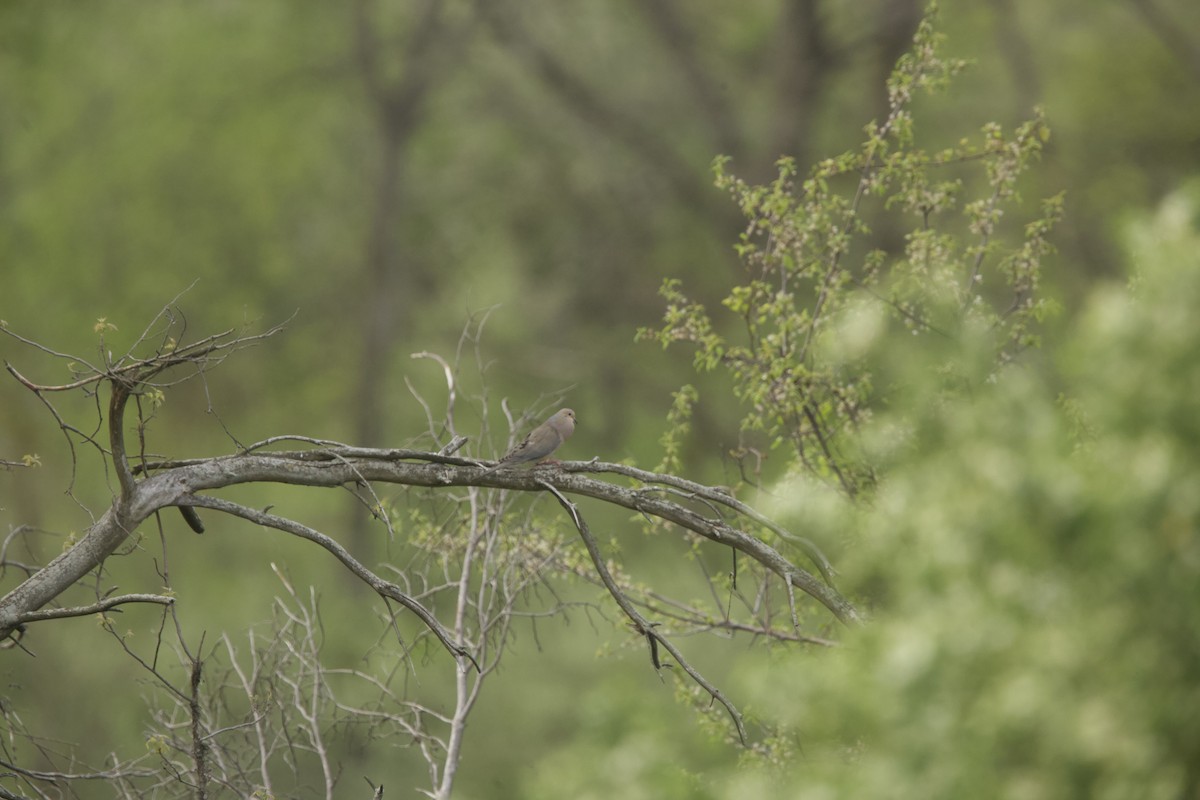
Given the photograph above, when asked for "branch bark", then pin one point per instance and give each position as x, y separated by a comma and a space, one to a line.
175, 484
335, 466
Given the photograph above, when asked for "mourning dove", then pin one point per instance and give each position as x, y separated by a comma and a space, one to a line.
541, 441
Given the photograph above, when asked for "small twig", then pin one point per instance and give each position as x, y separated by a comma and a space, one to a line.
47, 350
94, 608
451, 391
141, 370
698, 620
421, 401
106, 775
260, 734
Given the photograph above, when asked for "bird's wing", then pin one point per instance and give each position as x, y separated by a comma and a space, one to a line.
517, 450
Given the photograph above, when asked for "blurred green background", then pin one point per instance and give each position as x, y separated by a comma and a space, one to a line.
380, 172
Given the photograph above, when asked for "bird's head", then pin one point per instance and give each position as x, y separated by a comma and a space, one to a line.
564, 420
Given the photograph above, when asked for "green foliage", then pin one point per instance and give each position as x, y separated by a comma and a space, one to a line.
809, 253
1034, 562
678, 425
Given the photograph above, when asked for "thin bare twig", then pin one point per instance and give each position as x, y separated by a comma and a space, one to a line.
384, 588
94, 608
643, 626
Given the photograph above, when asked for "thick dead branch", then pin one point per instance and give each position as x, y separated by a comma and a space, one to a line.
174, 483
390, 466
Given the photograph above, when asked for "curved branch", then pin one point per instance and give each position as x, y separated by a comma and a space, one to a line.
642, 625
338, 466
338, 450
332, 468
116, 436
383, 588
176, 485
94, 608
717, 496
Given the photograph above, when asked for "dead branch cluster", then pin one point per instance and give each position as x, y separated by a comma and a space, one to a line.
479, 568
